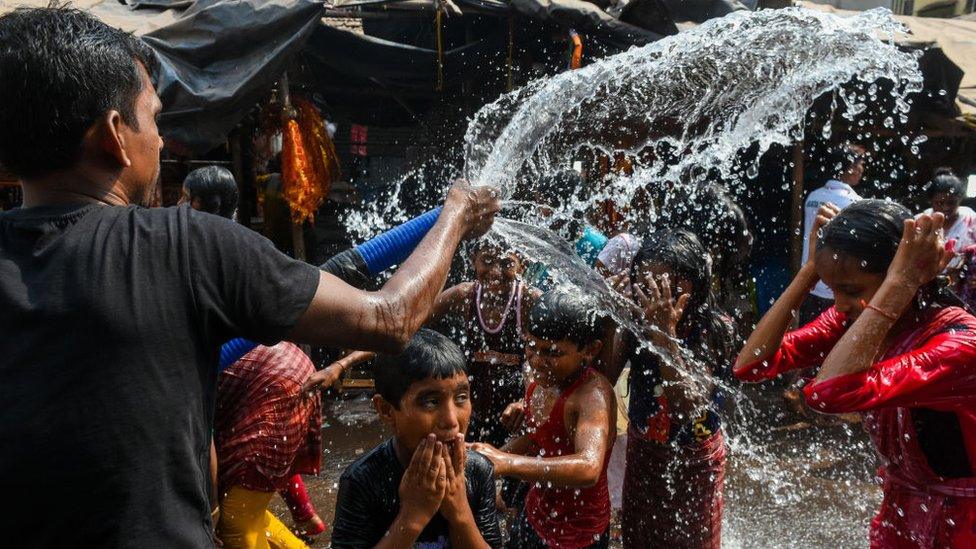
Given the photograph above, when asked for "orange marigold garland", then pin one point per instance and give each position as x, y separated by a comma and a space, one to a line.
309, 161
326, 160
302, 191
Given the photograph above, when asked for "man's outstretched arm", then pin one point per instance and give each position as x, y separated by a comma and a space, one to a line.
386, 319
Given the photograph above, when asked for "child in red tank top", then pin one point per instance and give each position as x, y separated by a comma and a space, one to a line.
570, 410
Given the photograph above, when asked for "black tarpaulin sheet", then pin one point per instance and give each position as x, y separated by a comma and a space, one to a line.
217, 57
582, 16
587, 18
397, 65
159, 4
221, 57
662, 16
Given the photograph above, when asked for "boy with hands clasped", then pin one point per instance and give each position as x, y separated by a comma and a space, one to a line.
421, 488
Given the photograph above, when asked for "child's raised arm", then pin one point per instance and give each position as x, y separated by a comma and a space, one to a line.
595, 407
331, 374
767, 337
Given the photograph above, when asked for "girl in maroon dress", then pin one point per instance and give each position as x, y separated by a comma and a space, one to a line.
672, 490
892, 349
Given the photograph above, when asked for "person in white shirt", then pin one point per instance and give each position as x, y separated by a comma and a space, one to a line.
945, 193
849, 161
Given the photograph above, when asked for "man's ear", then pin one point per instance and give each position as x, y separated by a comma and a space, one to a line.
109, 134
385, 410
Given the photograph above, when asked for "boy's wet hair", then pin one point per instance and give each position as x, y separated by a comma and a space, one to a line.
566, 315
429, 355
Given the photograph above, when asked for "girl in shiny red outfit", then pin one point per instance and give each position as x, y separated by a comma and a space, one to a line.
893, 351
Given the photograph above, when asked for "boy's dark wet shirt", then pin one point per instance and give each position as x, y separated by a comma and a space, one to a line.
368, 501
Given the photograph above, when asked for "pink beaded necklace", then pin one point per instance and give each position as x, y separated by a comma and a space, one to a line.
516, 292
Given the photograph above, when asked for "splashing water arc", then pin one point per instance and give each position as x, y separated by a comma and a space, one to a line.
696, 100
747, 78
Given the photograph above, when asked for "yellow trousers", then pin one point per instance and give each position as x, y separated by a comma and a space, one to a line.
246, 523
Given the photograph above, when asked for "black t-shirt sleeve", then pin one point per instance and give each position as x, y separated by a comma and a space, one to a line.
355, 525
242, 285
481, 475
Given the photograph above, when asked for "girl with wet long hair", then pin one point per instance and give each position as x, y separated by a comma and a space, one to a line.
675, 450
895, 349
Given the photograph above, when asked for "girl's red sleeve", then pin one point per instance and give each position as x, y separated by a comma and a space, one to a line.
802, 348
940, 374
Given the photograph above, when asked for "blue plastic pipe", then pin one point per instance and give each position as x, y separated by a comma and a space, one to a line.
233, 350
392, 247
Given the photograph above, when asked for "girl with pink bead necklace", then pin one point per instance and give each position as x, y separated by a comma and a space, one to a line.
492, 307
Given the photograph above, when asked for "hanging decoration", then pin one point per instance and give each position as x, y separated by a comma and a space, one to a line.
309, 163
323, 151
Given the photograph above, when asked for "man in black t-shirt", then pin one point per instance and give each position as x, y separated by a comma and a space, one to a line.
422, 488
112, 314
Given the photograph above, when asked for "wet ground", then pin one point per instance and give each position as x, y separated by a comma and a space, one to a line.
787, 485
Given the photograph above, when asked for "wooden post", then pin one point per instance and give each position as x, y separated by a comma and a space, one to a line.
242, 157
298, 240
796, 211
